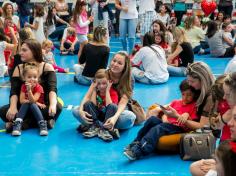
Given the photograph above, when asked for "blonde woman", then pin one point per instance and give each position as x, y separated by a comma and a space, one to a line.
183, 50
94, 56
195, 34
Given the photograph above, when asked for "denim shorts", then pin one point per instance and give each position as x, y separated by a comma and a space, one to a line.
82, 38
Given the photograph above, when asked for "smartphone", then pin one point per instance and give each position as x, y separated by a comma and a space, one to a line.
162, 107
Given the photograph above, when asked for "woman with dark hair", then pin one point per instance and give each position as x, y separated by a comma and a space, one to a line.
215, 39
31, 52
158, 26
149, 63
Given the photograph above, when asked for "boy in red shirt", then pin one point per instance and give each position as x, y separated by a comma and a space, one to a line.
154, 128
102, 106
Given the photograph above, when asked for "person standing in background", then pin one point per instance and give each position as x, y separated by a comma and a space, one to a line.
146, 15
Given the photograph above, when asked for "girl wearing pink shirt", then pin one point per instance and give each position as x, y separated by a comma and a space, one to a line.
81, 22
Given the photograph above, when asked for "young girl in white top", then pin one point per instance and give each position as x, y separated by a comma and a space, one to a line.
37, 26
49, 57
82, 22
163, 15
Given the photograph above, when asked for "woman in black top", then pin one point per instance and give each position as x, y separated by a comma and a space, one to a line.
31, 52
183, 50
94, 56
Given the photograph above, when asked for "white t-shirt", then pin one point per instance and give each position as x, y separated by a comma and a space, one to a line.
229, 36
211, 173
231, 66
132, 9
146, 6
2, 48
39, 33
52, 28
155, 66
164, 19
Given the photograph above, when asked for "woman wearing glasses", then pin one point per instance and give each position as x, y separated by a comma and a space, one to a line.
94, 56
31, 52
120, 74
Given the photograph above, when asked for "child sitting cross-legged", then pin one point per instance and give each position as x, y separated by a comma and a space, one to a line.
102, 105
31, 98
171, 119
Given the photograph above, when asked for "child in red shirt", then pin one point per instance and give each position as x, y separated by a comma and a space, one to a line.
10, 30
154, 128
31, 98
102, 106
220, 107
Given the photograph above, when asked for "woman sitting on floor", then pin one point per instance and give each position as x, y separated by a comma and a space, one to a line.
183, 50
202, 167
31, 51
149, 63
215, 39
120, 74
94, 56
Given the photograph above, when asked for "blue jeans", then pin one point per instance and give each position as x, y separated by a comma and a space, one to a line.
58, 33
142, 78
100, 115
34, 109
128, 26
23, 20
151, 132
125, 120
79, 78
176, 71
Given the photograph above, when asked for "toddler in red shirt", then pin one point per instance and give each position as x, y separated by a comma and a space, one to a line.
31, 98
102, 106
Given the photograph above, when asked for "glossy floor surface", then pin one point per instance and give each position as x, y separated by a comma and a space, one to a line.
65, 152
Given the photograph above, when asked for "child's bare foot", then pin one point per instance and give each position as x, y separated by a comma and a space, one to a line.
64, 52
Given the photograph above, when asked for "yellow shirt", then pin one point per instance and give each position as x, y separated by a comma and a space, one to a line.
195, 35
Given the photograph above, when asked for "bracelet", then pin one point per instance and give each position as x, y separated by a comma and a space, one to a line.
221, 117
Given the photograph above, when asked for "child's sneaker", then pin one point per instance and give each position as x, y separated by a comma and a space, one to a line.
105, 135
128, 147
43, 130
92, 132
82, 128
16, 128
134, 153
201, 51
115, 133
9, 127
130, 155
51, 123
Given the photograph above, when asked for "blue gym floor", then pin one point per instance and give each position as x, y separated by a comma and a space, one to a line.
65, 152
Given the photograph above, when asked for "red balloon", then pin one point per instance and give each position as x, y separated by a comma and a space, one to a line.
208, 7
